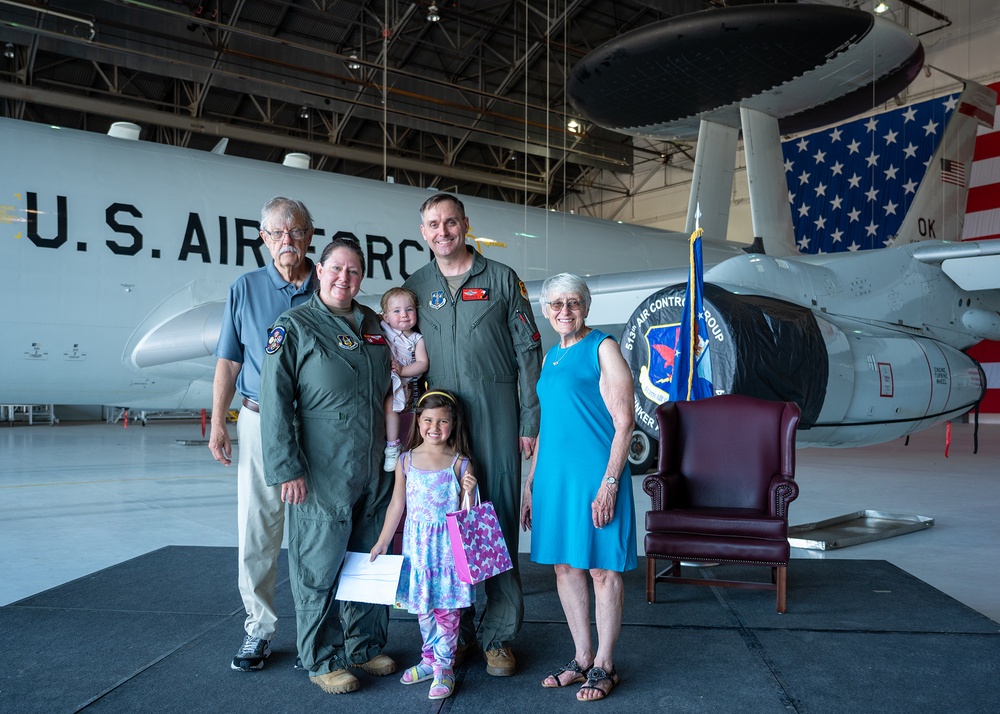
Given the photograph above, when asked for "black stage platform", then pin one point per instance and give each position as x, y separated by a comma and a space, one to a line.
156, 634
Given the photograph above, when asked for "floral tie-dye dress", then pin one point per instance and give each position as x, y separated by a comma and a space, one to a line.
428, 579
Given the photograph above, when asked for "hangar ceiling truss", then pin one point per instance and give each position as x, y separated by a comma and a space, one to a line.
474, 102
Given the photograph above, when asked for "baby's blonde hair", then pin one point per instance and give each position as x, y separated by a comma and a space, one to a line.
397, 292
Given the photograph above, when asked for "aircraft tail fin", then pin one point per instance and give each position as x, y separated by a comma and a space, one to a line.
938, 208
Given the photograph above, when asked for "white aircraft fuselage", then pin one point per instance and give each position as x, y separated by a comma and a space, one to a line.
116, 257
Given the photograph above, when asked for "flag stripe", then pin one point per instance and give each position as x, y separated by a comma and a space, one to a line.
982, 217
987, 145
982, 223
985, 172
982, 198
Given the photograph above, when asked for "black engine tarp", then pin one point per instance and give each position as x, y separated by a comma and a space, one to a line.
760, 346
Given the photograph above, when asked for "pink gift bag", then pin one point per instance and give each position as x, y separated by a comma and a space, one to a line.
477, 543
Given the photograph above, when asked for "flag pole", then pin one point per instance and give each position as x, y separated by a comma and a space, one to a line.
690, 303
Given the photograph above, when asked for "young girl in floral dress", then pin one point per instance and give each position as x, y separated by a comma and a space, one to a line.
430, 476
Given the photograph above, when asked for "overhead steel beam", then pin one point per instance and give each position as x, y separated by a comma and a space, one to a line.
201, 126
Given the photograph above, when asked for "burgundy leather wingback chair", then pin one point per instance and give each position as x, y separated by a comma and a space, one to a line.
721, 494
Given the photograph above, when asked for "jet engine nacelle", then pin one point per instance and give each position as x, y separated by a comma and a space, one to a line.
856, 383
884, 384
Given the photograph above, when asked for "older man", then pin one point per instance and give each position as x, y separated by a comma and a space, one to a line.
255, 301
483, 345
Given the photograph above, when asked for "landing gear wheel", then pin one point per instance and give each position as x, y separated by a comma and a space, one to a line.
641, 452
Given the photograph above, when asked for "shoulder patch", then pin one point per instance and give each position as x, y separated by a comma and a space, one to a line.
524, 290
275, 338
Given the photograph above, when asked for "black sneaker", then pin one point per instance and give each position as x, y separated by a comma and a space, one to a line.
252, 654
298, 664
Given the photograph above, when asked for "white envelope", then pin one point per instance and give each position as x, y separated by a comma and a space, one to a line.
364, 580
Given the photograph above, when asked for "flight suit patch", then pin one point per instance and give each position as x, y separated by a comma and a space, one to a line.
524, 290
275, 338
437, 300
374, 339
347, 342
524, 319
475, 294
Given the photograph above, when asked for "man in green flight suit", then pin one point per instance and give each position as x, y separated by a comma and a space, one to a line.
483, 345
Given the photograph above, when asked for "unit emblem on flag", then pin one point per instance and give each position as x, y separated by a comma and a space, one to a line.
655, 376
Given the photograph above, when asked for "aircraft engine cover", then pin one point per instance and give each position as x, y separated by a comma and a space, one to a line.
760, 346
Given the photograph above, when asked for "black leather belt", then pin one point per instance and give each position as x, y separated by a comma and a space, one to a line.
251, 405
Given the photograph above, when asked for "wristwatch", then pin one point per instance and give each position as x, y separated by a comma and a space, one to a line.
611, 480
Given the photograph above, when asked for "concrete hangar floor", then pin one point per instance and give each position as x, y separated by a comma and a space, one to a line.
105, 528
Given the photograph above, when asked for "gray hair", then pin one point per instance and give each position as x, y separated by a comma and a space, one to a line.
287, 209
563, 283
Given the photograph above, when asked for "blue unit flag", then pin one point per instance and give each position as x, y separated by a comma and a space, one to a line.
692, 373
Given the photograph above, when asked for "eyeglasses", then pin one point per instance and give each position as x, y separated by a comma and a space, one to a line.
295, 234
558, 305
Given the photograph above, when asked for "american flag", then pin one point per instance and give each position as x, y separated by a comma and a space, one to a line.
850, 185
826, 157
952, 172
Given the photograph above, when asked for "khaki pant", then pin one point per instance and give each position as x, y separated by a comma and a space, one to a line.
261, 522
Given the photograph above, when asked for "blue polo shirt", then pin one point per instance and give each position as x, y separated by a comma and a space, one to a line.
256, 300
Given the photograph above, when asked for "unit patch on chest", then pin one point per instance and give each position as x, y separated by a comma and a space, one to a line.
347, 342
437, 300
374, 339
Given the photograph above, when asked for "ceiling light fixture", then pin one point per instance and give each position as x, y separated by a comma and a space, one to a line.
574, 126
8, 50
432, 13
353, 63
304, 113
882, 7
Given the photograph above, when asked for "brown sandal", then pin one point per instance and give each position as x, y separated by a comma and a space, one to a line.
580, 675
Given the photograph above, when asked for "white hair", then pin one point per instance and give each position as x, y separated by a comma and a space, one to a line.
563, 283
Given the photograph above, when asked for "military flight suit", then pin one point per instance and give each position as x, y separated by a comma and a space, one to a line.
483, 345
322, 390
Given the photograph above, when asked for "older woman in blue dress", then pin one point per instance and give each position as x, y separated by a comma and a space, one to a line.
577, 499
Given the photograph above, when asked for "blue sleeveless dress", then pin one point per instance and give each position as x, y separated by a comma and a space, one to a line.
428, 579
574, 447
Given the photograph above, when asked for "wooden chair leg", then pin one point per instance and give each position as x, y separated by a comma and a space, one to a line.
781, 572
650, 579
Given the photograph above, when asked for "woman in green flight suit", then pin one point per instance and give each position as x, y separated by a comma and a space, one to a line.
323, 382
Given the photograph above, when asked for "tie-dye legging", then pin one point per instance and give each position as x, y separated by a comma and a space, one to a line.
439, 628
